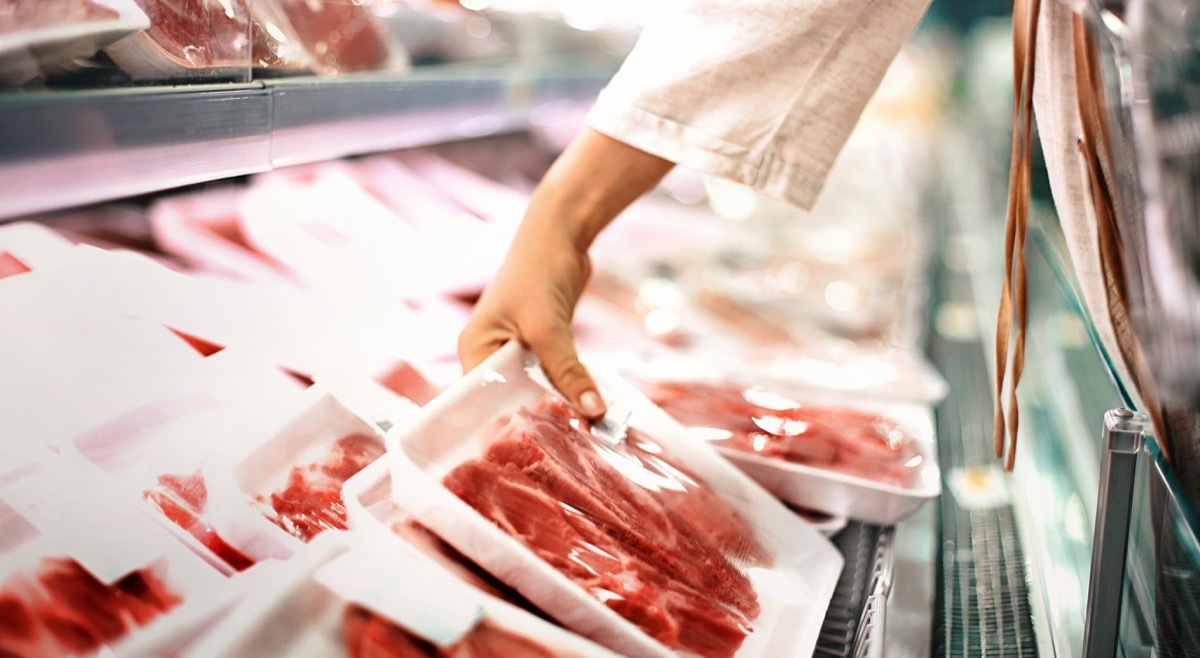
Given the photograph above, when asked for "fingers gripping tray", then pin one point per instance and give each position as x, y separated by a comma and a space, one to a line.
654, 546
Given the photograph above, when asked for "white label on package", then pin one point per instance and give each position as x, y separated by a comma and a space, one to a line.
109, 548
979, 487
411, 592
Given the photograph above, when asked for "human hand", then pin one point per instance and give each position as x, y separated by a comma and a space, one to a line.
533, 296
531, 300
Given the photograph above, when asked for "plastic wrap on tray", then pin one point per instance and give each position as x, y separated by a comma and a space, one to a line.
342, 36
205, 39
17, 15
312, 500
72, 347
652, 545
370, 594
756, 420
370, 507
871, 461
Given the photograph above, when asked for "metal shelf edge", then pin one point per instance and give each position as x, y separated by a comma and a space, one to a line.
59, 150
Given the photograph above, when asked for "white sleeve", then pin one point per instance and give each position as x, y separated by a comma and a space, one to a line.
763, 92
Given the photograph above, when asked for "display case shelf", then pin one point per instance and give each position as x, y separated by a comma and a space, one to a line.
62, 149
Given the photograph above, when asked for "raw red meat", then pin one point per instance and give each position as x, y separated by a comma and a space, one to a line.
858, 443
18, 15
16, 622
312, 501
643, 536
301, 378
66, 610
182, 499
460, 565
404, 379
340, 34
210, 33
204, 347
9, 265
368, 635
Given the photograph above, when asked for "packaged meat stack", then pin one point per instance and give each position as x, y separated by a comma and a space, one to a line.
275, 487
173, 456
372, 229
82, 361
642, 540
319, 337
41, 36
370, 594
487, 199
210, 39
92, 576
203, 230
872, 461
189, 421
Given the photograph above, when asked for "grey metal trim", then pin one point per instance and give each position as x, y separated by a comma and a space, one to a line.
1123, 431
60, 151
63, 149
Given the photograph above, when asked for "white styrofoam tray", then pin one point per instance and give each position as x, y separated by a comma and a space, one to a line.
297, 608
821, 489
793, 593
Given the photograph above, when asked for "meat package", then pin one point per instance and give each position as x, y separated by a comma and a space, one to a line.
283, 489
72, 348
371, 227
41, 35
342, 36
371, 594
652, 545
295, 478
210, 39
317, 336
870, 462
90, 578
63, 609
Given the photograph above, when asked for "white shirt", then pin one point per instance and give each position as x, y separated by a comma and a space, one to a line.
762, 92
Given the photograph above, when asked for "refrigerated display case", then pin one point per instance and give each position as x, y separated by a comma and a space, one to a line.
1103, 517
996, 565
84, 131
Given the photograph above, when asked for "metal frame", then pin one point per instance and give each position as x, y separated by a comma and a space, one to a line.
1123, 438
65, 149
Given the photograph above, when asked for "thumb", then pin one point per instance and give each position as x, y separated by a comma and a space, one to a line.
559, 359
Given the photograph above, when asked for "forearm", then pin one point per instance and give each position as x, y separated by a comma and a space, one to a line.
589, 185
